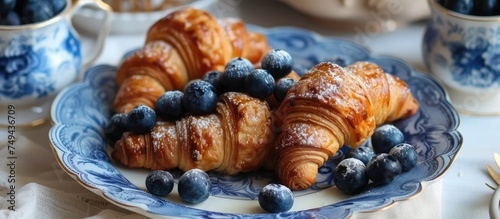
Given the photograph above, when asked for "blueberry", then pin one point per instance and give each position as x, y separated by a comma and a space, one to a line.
385, 137
259, 83
200, 98
12, 19
169, 106
282, 88
275, 198
240, 62
362, 153
485, 7
383, 168
6, 6
36, 11
350, 176
215, 78
235, 73
141, 119
159, 183
460, 6
278, 62
57, 5
194, 186
406, 155
116, 127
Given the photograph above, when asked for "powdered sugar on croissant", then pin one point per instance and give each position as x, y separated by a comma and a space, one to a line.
333, 106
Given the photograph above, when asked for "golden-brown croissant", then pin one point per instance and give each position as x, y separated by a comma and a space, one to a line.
333, 106
182, 46
237, 138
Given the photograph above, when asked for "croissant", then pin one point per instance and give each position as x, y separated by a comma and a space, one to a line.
237, 138
330, 107
182, 46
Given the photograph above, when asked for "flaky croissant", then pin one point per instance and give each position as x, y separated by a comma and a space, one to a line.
182, 46
237, 138
330, 107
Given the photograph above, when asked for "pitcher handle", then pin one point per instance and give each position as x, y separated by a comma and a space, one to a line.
103, 33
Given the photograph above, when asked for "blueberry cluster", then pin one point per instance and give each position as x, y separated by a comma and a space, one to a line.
19, 12
193, 187
240, 75
141, 119
387, 158
473, 7
200, 96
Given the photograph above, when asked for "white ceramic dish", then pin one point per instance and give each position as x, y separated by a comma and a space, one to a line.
367, 16
82, 111
89, 19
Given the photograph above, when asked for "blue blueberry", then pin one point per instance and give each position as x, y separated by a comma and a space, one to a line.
362, 153
141, 119
235, 73
6, 6
485, 7
116, 127
459, 6
200, 98
278, 63
159, 182
406, 155
275, 198
215, 78
240, 62
259, 83
57, 5
11, 19
282, 88
350, 176
385, 137
169, 106
383, 168
194, 186
35, 11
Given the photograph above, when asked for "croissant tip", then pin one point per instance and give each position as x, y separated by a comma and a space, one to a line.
297, 175
299, 185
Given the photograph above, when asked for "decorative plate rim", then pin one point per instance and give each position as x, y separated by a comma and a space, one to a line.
453, 131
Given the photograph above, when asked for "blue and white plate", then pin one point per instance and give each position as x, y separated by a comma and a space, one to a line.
81, 111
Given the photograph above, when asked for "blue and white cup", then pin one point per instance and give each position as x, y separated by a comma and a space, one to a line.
38, 60
463, 52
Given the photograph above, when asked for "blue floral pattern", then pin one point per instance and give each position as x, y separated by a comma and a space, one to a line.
82, 111
471, 54
30, 63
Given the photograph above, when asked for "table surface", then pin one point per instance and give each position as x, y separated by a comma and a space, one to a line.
464, 194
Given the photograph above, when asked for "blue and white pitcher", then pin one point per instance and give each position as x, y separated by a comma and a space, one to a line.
463, 52
38, 60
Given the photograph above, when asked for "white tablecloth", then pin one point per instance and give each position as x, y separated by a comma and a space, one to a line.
44, 190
